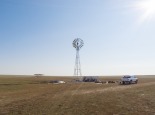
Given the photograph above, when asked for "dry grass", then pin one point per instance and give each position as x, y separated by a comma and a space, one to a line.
33, 96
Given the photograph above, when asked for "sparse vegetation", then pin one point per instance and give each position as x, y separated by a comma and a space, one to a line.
34, 96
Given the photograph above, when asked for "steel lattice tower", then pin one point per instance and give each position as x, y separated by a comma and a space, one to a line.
77, 44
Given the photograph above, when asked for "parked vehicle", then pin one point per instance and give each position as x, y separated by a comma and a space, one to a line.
129, 79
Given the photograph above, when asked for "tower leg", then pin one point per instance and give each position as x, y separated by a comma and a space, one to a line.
77, 68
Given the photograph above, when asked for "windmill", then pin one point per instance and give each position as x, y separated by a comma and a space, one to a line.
77, 44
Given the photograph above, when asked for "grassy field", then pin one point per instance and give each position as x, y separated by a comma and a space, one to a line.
22, 95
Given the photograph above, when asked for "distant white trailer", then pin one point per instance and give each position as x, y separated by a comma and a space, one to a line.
57, 82
61, 82
38, 75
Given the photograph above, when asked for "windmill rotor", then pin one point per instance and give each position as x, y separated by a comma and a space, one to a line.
78, 43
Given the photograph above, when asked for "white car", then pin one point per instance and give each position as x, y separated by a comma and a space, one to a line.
129, 79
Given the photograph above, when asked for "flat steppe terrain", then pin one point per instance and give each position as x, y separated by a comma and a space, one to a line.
27, 95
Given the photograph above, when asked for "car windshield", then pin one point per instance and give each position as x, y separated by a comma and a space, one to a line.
127, 76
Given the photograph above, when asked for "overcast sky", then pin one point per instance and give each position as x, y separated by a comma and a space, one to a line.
36, 36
